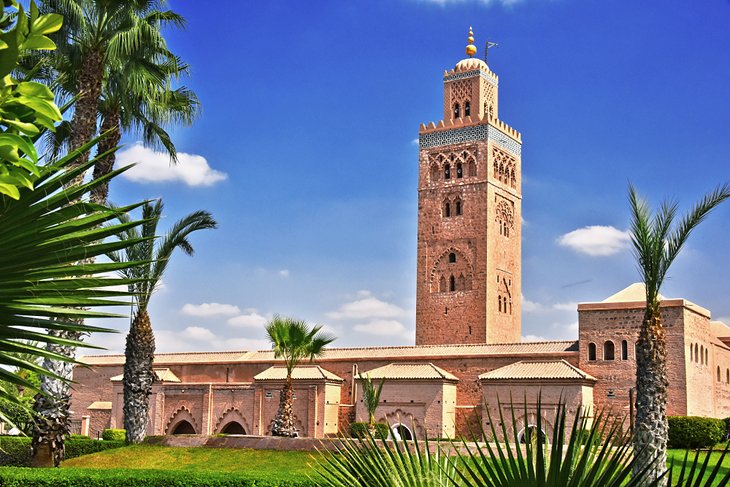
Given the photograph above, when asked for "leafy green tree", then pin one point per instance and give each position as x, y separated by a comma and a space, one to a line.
657, 239
140, 347
294, 341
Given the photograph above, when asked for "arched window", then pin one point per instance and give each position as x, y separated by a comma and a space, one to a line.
624, 350
459, 170
452, 283
457, 111
183, 428
608, 350
691, 353
467, 109
452, 258
702, 355
233, 428
458, 208
591, 351
719, 376
707, 361
447, 209
447, 171
401, 432
697, 356
530, 435
472, 168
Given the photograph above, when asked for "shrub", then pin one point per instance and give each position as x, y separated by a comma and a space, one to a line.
727, 428
695, 431
360, 430
114, 435
28, 477
15, 451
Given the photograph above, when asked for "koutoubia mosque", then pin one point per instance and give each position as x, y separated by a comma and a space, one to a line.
468, 321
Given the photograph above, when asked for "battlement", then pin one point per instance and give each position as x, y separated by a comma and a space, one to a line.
471, 120
471, 67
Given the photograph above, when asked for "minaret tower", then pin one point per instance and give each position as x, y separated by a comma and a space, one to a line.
469, 215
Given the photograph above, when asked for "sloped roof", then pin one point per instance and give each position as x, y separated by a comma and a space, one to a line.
101, 405
634, 292
537, 369
163, 375
301, 372
418, 351
407, 371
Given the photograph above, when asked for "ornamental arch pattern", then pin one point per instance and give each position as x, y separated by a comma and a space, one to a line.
452, 272
230, 415
457, 164
180, 415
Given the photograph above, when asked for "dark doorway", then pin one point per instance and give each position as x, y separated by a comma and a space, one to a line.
183, 428
233, 428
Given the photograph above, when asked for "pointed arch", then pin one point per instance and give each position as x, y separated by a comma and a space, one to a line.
232, 415
176, 422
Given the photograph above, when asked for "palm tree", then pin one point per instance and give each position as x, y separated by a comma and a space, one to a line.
657, 240
97, 34
371, 397
292, 340
140, 347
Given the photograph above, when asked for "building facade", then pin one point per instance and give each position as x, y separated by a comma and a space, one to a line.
468, 352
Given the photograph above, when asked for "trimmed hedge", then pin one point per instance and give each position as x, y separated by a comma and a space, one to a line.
695, 432
15, 451
360, 430
114, 435
69, 477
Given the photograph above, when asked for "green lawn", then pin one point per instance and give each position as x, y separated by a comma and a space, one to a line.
676, 457
272, 464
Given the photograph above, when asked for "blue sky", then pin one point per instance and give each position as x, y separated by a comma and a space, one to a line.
305, 154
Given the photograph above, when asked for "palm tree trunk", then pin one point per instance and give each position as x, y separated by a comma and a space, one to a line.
284, 419
83, 125
105, 165
52, 406
138, 377
53, 411
652, 428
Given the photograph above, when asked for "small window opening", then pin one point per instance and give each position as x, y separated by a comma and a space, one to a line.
499, 300
591, 351
691, 353
457, 111
459, 170
470, 329
608, 350
447, 209
727, 376
719, 376
447, 171
467, 109
452, 283
707, 361
452, 257
458, 208
624, 350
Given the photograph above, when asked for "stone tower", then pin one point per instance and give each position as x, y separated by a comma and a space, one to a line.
469, 216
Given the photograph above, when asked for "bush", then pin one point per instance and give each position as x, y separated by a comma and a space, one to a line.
114, 435
15, 451
727, 428
360, 430
695, 431
69, 477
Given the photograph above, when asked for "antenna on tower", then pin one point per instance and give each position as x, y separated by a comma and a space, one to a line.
487, 46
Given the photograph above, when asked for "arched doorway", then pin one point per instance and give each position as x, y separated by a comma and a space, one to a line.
531, 432
183, 428
233, 428
401, 432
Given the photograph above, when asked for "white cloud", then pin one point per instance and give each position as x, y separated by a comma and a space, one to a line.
530, 306
210, 309
384, 328
570, 306
565, 331
414, 141
198, 333
596, 240
284, 273
156, 167
366, 307
533, 338
252, 319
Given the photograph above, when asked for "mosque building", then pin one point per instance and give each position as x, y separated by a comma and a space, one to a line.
468, 351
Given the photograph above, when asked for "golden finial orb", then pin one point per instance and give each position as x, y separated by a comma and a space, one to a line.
471, 49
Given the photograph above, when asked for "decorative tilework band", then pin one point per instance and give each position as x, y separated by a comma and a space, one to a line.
470, 74
471, 133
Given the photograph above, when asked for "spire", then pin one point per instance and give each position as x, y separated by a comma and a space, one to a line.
471, 49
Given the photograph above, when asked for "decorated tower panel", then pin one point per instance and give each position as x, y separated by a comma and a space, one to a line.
469, 216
